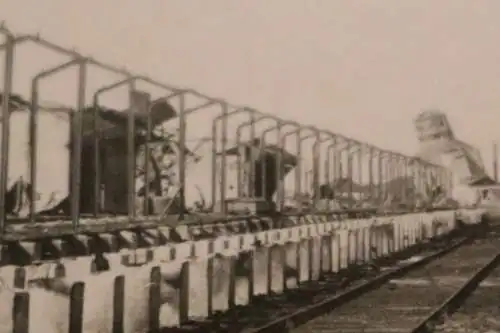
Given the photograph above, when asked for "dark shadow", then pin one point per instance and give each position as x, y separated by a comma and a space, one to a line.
265, 166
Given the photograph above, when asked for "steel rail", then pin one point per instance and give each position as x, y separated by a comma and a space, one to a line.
453, 303
303, 315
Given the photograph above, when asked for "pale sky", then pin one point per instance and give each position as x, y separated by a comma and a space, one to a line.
363, 68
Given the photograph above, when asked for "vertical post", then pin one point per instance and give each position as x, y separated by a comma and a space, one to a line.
414, 187
240, 169
263, 166
242, 150
298, 168
223, 169
380, 178
370, 173
316, 169
331, 169
76, 146
182, 157
404, 183
21, 312
350, 174
251, 187
398, 184
131, 152
326, 171
7, 89
76, 306
147, 158
281, 144
338, 165
33, 129
216, 177
390, 176
215, 137
215, 174
97, 156
141, 105
325, 179
399, 174
280, 195
361, 153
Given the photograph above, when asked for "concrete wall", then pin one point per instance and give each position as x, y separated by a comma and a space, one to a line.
194, 279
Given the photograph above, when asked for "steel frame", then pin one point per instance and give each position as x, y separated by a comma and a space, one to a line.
395, 163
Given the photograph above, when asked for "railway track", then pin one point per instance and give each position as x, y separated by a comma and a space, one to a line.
284, 311
479, 313
417, 301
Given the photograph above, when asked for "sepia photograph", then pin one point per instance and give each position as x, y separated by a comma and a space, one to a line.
249, 166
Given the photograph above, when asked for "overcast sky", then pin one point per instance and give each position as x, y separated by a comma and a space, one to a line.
364, 68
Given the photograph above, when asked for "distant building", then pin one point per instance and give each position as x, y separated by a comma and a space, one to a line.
439, 145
